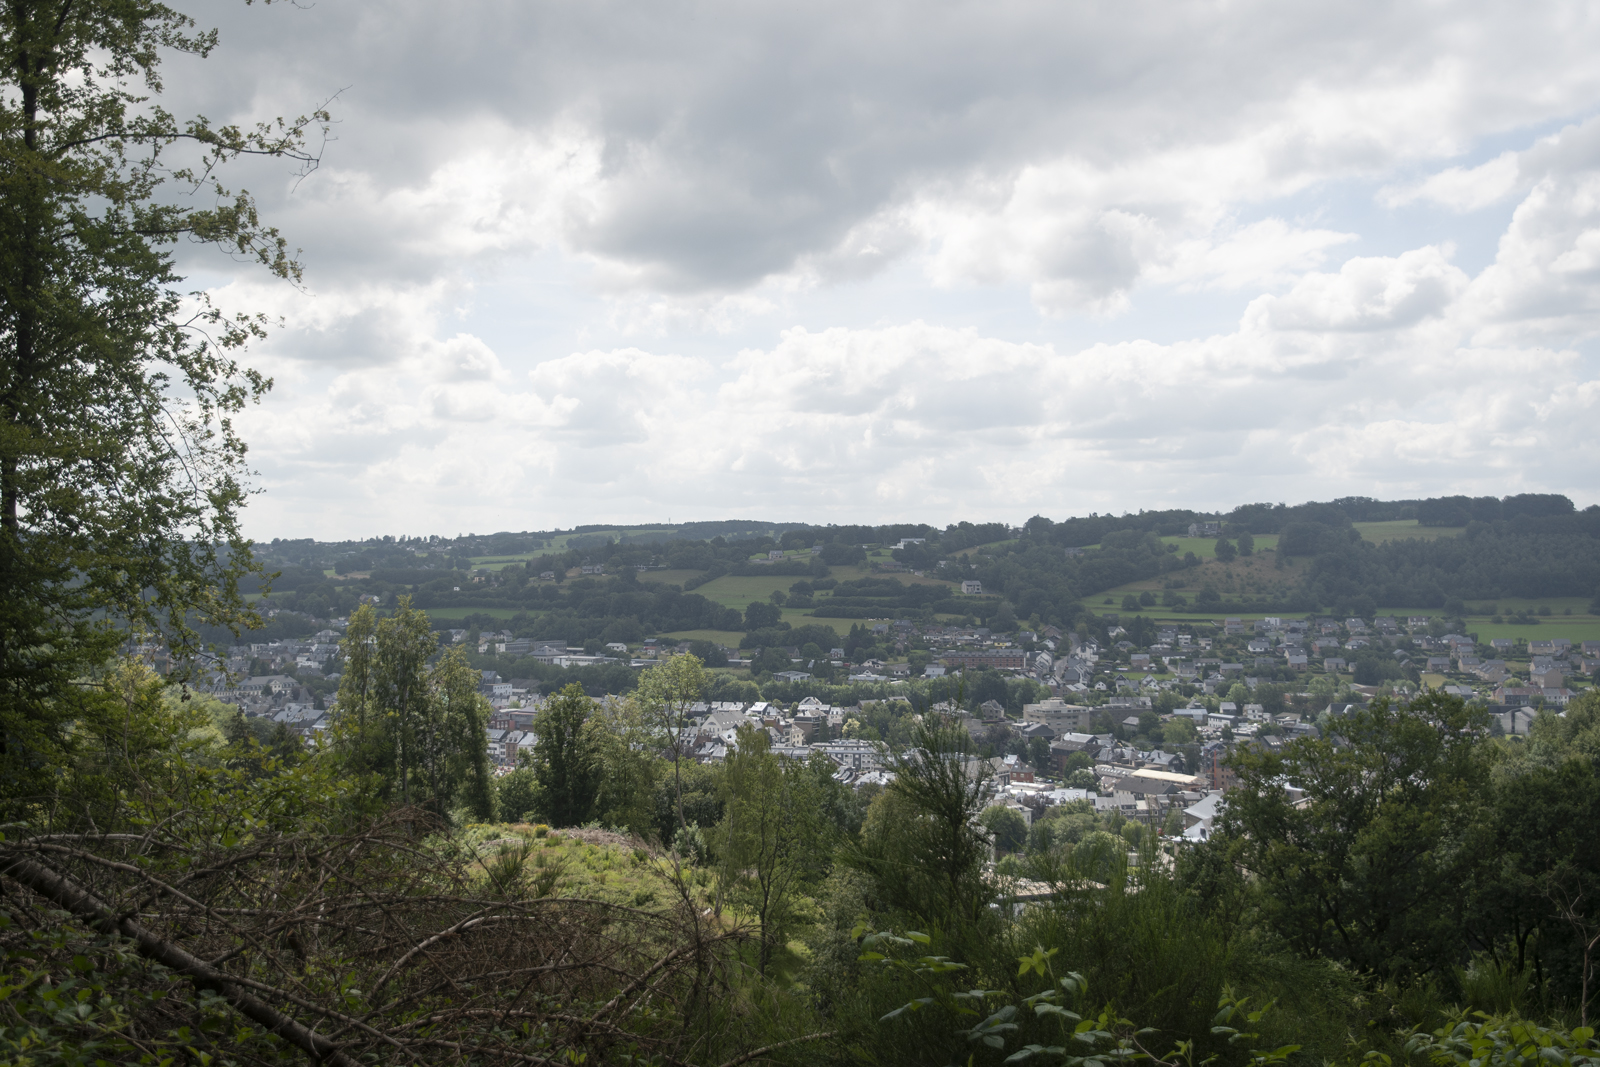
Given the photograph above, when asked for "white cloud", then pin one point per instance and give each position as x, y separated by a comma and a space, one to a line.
1364, 381
618, 259
1369, 293
1460, 188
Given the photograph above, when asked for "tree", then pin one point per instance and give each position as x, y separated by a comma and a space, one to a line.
760, 615
920, 843
121, 472
665, 693
1247, 544
1082, 778
770, 836
419, 731
1367, 868
1009, 829
1225, 550
466, 778
566, 762
402, 644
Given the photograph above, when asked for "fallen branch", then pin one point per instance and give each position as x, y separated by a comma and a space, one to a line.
67, 894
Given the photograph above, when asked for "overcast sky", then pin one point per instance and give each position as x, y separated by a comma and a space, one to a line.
575, 261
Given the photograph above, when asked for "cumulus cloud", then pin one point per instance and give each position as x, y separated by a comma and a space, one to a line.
1363, 381
1369, 293
621, 259
710, 147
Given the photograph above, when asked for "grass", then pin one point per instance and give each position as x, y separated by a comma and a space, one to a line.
1572, 627
1402, 529
1579, 605
602, 868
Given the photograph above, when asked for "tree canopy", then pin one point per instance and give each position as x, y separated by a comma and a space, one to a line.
122, 474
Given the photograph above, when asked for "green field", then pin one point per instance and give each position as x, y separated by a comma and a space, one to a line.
1402, 529
1506, 606
1572, 627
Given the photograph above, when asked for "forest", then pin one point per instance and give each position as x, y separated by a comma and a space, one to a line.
1530, 546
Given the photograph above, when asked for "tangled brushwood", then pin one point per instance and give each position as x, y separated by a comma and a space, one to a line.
388, 943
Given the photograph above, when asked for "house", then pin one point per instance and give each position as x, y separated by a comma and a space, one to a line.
1334, 664
1019, 769
1059, 716
1062, 748
971, 588
1005, 659
1549, 678
1205, 529
1199, 817
1146, 782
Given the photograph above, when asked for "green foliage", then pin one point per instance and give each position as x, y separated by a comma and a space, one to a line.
566, 763
1079, 1040
121, 471
919, 843
772, 836
1367, 869
664, 695
1007, 826
416, 732
106, 1005
1483, 1041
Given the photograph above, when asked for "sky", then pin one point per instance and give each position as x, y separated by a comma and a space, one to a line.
620, 261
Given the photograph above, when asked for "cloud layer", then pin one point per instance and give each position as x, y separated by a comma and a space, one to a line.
623, 261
